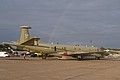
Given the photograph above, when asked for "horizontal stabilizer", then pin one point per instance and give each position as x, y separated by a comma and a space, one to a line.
32, 41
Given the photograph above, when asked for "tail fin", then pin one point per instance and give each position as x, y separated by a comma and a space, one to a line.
24, 36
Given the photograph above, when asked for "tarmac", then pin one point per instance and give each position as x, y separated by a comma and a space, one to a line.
15, 68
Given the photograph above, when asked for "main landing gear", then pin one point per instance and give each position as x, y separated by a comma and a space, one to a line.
80, 57
44, 56
97, 58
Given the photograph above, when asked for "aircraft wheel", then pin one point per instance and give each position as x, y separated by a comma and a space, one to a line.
97, 58
80, 57
44, 56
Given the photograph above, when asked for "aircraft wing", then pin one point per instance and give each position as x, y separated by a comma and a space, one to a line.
81, 53
85, 53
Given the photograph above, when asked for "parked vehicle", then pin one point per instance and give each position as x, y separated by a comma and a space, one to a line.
4, 54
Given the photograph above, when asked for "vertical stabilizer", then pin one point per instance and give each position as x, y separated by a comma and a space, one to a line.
24, 36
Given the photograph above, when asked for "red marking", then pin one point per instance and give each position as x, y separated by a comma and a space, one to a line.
65, 54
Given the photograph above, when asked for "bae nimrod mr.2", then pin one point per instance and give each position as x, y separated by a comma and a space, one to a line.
30, 43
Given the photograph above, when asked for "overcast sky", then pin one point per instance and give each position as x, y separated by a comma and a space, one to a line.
63, 21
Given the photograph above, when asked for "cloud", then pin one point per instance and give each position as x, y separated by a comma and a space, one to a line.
63, 21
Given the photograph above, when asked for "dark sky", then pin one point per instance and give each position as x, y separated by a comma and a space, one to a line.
63, 21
